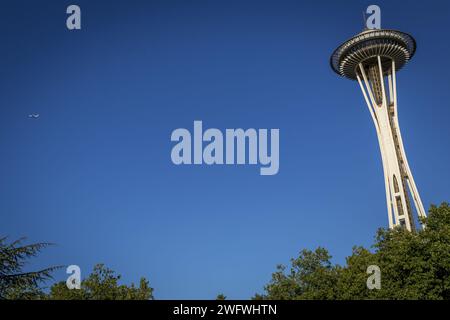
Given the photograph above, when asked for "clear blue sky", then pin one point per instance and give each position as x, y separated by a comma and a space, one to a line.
94, 175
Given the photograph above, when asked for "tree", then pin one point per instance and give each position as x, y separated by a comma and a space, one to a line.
102, 284
311, 276
14, 282
414, 265
221, 296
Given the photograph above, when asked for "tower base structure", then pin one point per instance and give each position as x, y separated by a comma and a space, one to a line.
378, 85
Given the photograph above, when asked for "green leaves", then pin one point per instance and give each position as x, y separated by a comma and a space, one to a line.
14, 283
102, 284
311, 276
221, 296
413, 266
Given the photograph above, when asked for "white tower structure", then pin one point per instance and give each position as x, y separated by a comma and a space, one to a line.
373, 57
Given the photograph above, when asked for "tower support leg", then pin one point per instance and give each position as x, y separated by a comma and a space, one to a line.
397, 174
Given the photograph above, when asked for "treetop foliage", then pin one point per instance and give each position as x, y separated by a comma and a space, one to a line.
413, 265
14, 282
102, 284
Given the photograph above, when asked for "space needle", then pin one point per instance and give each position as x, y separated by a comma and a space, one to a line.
373, 58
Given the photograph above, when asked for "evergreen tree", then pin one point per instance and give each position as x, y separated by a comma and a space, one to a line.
14, 282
